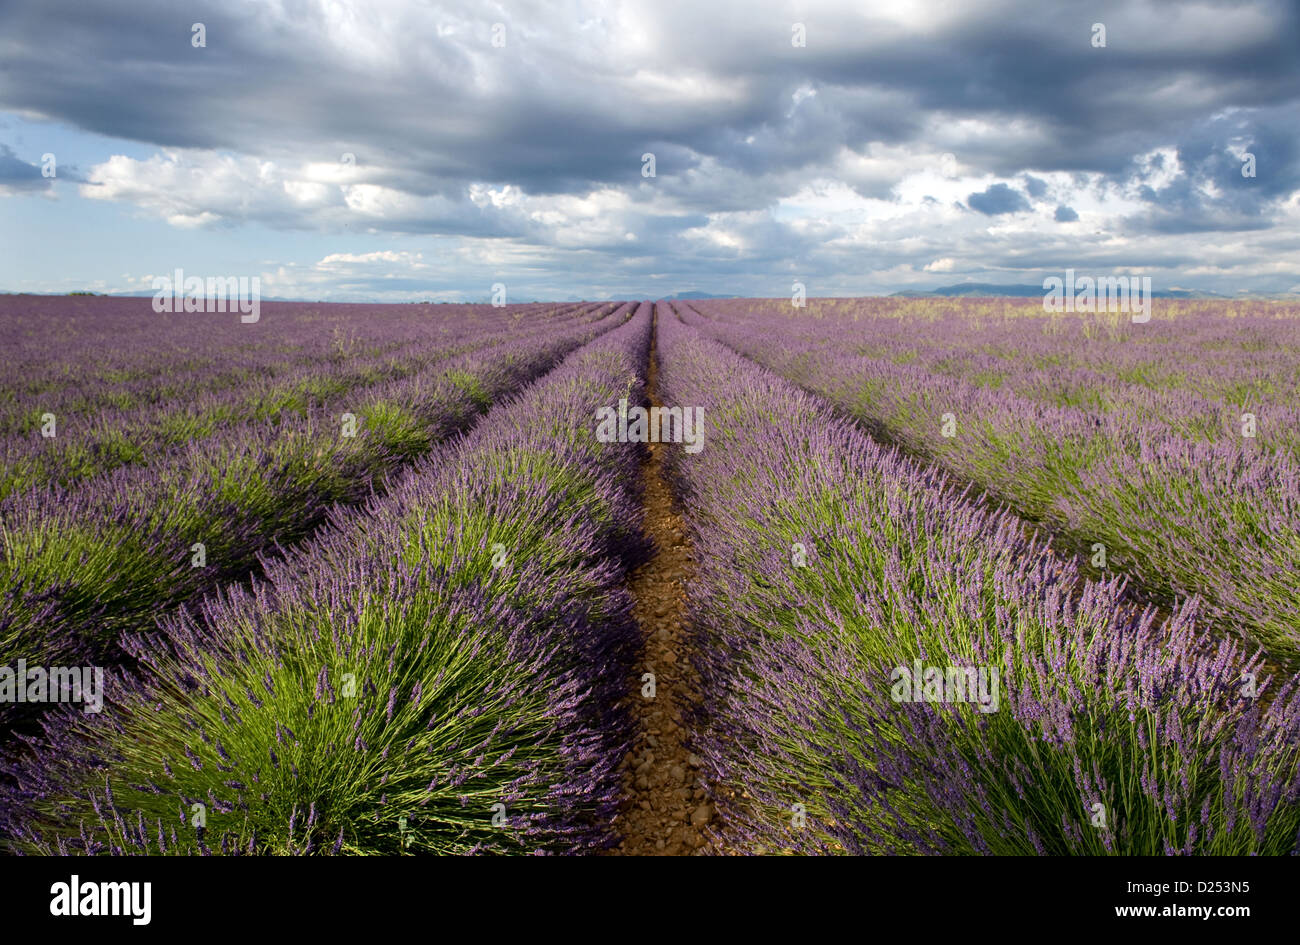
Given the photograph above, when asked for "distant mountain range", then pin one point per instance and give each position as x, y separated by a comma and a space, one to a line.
989, 290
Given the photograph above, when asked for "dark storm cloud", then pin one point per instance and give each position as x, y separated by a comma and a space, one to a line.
998, 199
1035, 187
551, 114
1219, 190
736, 116
17, 175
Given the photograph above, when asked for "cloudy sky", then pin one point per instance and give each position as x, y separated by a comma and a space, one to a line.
412, 150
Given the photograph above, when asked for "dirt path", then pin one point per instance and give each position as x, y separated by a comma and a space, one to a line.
667, 810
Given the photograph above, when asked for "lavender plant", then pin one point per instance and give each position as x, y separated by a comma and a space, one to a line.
1118, 730
389, 688
142, 434
83, 566
1180, 499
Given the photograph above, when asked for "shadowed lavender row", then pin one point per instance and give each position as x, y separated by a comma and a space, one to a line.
836, 573
441, 673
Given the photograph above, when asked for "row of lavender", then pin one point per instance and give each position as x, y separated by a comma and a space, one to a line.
1196, 366
73, 356
441, 672
82, 566
62, 448
1184, 493
894, 667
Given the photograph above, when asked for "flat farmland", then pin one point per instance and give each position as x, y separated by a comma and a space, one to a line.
724, 576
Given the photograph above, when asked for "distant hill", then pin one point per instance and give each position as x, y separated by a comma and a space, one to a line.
989, 290
695, 295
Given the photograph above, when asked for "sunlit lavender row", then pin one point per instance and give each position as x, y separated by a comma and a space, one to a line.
87, 562
832, 566
439, 672
958, 578
145, 420
1167, 451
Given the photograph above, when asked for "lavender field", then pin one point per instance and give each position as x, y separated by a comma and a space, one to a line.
727, 576
639, 428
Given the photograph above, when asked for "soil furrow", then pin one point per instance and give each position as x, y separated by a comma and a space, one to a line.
667, 811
